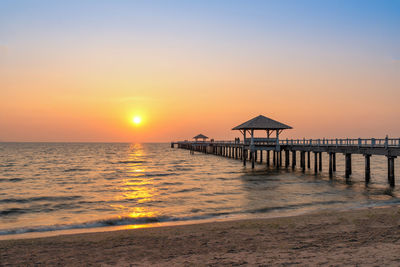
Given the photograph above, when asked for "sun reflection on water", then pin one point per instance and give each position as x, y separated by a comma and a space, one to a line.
137, 188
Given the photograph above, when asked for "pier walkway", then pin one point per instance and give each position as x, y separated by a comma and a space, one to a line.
251, 149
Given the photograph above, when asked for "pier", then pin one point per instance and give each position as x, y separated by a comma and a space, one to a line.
251, 149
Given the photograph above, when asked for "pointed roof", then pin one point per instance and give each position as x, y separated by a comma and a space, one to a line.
200, 136
262, 123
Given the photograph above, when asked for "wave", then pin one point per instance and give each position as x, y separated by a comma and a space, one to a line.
11, 180
77, 170
100, 223
130, 161
35, 199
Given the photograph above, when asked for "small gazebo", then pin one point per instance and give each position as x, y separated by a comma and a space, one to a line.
200, 136
272, 127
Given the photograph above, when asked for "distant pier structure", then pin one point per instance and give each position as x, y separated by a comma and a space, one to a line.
251, 148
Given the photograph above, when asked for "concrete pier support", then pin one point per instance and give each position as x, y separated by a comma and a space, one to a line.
367, 168
261, 156
267, 157
348, 165
293, 159
391, 170
315, 162
308, 159
255, 155
330, 164
244, 156
274, 158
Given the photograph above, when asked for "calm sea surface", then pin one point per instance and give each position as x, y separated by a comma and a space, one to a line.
47, 187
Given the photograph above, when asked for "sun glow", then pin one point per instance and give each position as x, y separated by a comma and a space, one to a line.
137, 120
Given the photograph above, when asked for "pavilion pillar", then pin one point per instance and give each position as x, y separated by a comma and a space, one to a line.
252, 149
315, 162
391, 170
293, 159
244, 151
367, 168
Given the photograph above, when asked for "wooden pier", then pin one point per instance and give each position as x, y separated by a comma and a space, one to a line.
251, 149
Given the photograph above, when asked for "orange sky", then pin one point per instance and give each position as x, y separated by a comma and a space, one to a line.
69, 74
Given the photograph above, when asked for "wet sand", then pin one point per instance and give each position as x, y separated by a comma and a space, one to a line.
368, 237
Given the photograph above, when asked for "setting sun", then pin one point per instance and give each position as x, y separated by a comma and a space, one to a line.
137, 120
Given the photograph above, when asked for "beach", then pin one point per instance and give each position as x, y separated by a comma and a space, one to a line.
367, 237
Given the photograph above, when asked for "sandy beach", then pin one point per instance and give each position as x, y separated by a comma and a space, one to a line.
368, 237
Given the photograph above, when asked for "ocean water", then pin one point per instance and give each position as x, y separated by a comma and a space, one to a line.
48, 187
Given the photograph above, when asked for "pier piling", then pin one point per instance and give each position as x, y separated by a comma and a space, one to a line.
391, 170
347, 165
293, 159
315, 162
367, 168
320, 161
286, 158
302, 160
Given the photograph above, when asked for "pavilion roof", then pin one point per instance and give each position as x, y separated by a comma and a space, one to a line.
262, 123
200, 136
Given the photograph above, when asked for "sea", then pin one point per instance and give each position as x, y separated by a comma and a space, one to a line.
54, 188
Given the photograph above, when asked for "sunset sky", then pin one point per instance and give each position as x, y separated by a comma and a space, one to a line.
82, 70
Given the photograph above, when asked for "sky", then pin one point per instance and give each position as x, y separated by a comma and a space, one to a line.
79, 71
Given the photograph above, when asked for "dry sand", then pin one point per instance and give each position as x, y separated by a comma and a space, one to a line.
357, 238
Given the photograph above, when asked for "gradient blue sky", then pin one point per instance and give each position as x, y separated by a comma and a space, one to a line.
79, 70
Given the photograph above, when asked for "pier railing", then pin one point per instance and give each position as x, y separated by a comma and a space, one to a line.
357, 142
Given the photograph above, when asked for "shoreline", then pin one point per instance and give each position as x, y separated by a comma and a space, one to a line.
364, 237
227, 218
